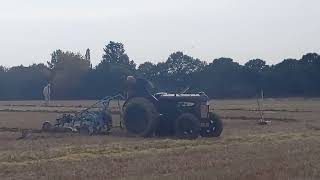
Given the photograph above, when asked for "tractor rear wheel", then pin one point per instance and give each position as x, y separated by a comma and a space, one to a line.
215, 126
140, 117
187, 126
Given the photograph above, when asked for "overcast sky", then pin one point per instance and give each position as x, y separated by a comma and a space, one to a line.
152, 29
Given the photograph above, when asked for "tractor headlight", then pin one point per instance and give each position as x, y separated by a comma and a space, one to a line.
204, 110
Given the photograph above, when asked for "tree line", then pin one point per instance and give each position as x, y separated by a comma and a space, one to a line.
72, 76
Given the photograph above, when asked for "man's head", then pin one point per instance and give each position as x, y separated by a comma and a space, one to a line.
131, 80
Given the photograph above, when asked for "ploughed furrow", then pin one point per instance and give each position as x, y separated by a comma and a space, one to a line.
145, 147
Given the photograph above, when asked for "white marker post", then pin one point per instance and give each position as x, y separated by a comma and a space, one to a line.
262, 121
47, 93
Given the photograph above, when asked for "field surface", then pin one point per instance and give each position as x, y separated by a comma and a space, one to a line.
287, 148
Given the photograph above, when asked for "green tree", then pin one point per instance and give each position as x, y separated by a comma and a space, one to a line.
67, 70
178, 70
180, 64
2, 69
311, 58
108, 76
225, 78
256, 65
22, 82
114, 53
148, 69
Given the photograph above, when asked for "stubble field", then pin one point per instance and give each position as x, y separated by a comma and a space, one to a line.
287, 148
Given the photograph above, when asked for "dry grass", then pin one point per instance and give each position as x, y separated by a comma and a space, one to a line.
288, 148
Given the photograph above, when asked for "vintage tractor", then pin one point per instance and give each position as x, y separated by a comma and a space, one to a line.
144, 114
182, 115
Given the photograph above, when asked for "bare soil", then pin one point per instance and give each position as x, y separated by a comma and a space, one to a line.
287, 148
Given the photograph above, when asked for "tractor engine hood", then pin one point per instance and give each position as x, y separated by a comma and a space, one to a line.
190, 97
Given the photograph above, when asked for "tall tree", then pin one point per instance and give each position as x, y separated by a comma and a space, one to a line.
114, 53
22, 82
147, 69
67, 70
256, 65
108, 76
2, 69
177, 71
311, 58
224, 78
180, 64
88, 57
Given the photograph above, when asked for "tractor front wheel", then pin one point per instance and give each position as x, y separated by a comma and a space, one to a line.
187, 126
215, 126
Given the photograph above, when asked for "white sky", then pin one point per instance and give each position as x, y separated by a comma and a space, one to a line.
152, 29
